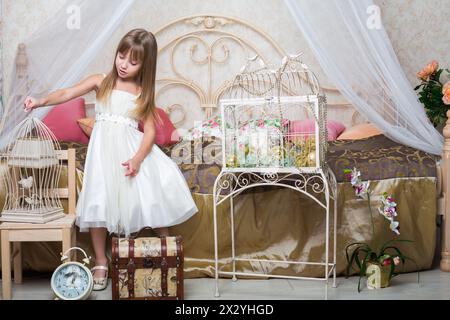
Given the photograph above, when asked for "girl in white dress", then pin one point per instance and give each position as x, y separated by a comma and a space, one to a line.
129, 183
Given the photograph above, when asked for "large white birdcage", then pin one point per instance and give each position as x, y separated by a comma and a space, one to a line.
274, 134
274, 120
32, 174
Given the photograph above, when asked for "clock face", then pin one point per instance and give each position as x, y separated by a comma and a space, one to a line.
72, 281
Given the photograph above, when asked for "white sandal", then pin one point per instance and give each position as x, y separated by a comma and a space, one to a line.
100, 283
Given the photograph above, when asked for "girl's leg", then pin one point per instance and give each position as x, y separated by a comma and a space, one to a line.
98, 237
162, 231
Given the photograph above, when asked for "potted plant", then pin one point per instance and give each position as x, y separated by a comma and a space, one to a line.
377, 264
434, 94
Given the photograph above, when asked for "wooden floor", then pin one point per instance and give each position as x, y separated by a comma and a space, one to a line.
433, 284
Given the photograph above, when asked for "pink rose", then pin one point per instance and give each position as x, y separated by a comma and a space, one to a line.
446, 93
429, 69
387, 262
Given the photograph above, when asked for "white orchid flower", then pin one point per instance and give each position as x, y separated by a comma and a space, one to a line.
355, 180
394, 226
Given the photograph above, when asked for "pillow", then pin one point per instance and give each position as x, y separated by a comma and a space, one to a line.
62, 121
307, 127
86, 124
360, 131
166, 133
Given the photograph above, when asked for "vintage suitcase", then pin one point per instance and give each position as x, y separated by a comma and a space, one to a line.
147, 268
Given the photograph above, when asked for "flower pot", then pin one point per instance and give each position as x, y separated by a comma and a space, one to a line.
377, 276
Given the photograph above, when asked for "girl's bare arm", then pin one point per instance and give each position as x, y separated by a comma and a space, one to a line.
63, 95
148, 139
133, 165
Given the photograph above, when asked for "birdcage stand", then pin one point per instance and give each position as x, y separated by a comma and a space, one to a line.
232, 182
267, 143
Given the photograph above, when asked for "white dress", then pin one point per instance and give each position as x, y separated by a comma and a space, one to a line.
158, 196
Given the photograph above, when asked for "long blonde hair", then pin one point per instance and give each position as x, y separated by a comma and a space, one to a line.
144, 49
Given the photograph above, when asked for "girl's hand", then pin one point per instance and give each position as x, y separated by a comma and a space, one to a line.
132, 166
31, 103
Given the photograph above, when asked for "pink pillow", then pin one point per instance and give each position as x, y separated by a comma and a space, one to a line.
166, 133
62, 121
307, 126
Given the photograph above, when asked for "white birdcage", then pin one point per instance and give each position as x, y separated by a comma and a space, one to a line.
274, 134
32, 175
274, 120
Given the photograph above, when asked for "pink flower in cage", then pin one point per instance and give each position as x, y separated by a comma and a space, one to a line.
196, 133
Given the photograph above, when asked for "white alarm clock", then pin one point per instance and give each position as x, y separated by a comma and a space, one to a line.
72, 280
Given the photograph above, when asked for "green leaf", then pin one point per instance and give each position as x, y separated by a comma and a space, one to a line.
350, 261
356, 243
393, 241
363, 269
360, 247
383, 257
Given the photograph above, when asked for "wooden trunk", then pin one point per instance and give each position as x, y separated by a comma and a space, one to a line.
147, 268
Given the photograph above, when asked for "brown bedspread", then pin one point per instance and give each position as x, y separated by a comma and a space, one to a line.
377, 158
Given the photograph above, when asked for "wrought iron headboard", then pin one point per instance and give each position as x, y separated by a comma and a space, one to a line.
199, 56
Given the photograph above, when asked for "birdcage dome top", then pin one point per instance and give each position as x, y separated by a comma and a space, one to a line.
32, 144
292, 78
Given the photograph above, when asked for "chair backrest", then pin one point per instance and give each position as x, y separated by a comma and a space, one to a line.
70, 192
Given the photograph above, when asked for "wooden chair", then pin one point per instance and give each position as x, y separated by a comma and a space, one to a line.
58, 230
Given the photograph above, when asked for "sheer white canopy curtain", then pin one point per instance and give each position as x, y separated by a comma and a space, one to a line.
351, 45
57, 55
346, 36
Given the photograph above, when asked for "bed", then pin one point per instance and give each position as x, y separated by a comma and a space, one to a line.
271, 223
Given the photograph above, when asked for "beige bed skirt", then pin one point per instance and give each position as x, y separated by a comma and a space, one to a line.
282, 224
